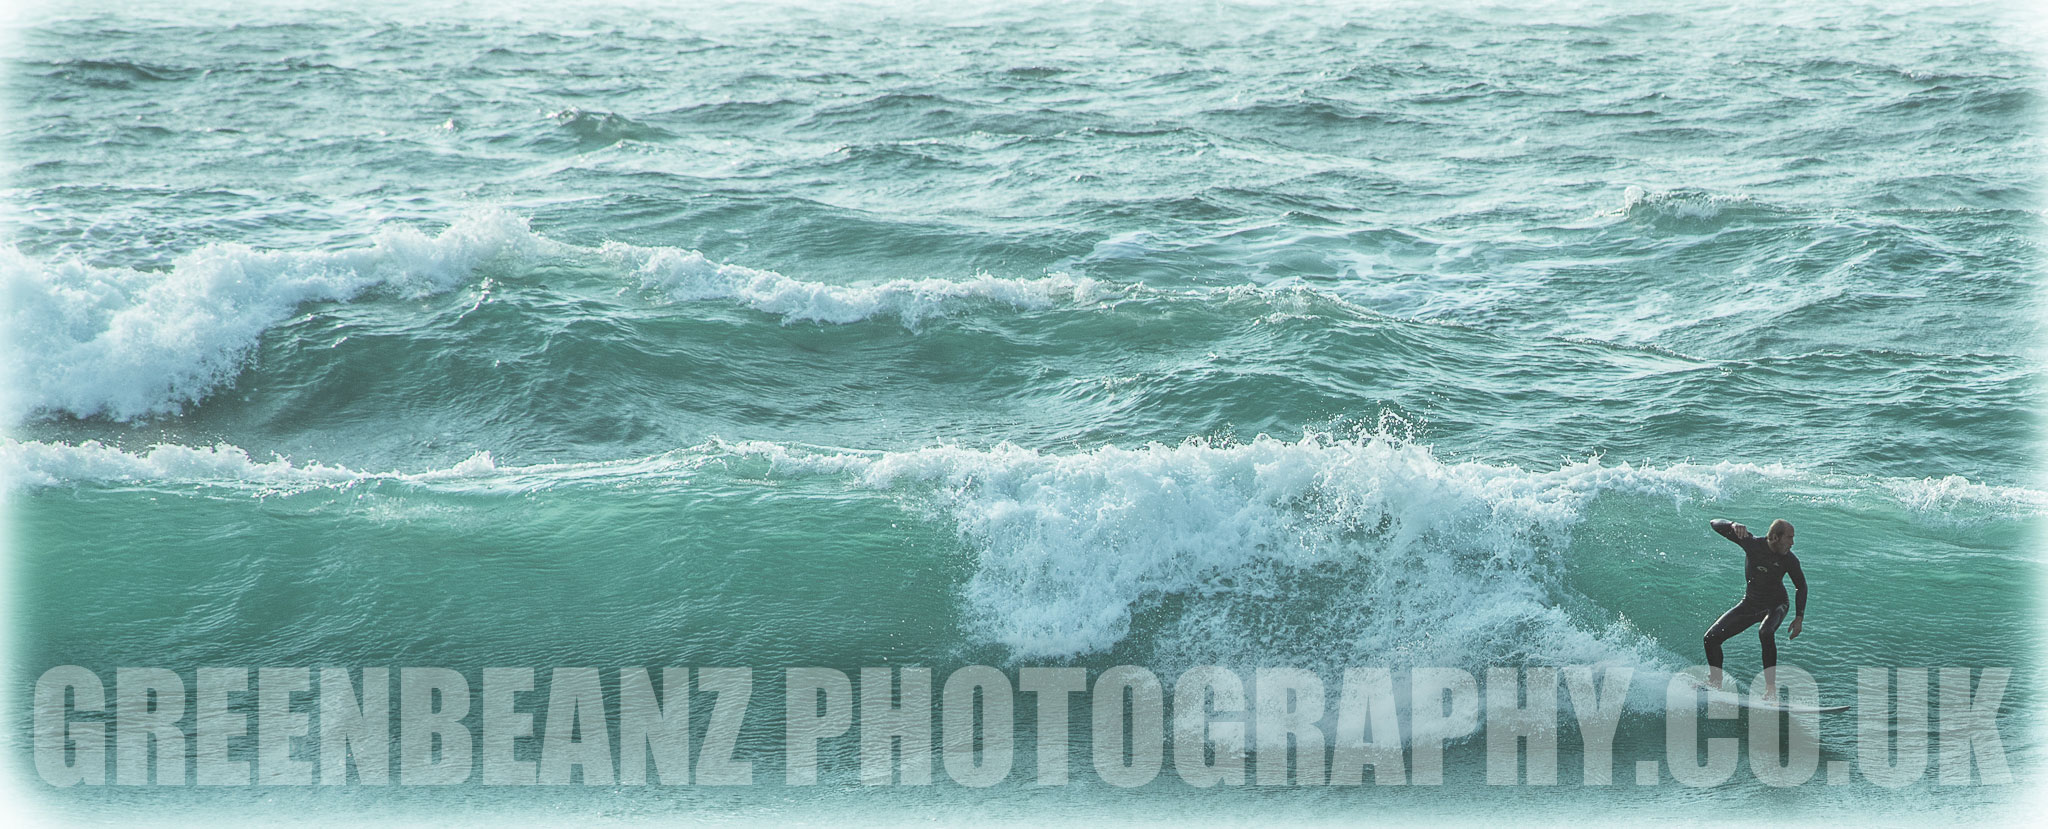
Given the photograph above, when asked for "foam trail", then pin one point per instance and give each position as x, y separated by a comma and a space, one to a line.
26, 465
686, 275
32, 464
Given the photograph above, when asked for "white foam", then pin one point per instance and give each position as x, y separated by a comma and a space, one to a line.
36, 464
687, 276
29, 464
1955, 500
1391, 554
1688, 205
124, 343
1071, 546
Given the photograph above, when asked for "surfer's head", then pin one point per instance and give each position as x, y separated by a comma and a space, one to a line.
1780, 536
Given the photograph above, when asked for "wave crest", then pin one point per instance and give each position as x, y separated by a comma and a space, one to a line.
1415, 560
125, 343
687, 276
1688, 210
1324, 551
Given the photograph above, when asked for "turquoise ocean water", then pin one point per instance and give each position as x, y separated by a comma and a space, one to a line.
1161, 334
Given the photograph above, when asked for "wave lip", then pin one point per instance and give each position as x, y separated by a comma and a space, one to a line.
1414, 560
1689, 210
605, 128
125, 343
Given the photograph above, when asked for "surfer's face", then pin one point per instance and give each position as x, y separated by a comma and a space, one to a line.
1782, 542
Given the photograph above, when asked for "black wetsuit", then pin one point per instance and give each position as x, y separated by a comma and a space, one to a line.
1763, 599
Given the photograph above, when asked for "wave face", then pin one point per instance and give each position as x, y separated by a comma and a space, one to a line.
995, 333
1068, 549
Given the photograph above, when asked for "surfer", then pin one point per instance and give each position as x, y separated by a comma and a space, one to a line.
1768, 560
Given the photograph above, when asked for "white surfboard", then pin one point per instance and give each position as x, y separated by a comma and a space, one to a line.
1730, 693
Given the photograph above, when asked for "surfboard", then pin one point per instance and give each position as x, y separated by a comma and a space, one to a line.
1729, 693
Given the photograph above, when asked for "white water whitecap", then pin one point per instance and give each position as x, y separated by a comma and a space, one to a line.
124, 343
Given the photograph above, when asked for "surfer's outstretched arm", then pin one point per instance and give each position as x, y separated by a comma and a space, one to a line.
1730, 530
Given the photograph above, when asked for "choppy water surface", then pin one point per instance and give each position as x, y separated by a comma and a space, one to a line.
1163, 334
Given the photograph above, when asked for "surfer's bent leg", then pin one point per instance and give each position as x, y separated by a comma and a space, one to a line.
1768, 635
1737, 619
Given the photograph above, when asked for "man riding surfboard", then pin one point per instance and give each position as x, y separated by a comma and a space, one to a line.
1767, 561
